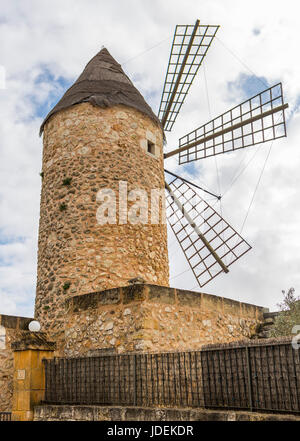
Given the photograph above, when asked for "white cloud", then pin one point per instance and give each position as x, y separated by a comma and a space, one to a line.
260, 37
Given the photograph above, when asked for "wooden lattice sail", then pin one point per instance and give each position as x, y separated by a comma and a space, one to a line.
190, 45
209, 243
255, 121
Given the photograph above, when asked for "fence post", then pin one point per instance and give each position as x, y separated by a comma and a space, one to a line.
134, 381
29, 375
249, 378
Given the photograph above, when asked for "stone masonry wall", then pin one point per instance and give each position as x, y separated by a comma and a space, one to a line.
92, 148
11, 329
154, 318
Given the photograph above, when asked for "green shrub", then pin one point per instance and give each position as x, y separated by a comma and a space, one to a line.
63, 206
289, 315
66, 286
67, 181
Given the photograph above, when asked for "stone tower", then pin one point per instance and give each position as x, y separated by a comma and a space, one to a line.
101, 135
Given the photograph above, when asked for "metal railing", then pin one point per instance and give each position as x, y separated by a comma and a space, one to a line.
251, 377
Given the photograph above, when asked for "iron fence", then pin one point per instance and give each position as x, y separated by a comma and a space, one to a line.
5, 416
252, 377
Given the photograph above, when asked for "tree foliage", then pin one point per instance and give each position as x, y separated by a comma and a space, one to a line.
289, 315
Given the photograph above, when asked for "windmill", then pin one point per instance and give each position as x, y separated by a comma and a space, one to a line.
208, 242
101, 134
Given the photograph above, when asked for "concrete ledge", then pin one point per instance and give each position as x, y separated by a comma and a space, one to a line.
117, 413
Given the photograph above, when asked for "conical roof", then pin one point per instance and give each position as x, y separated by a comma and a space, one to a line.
103, 83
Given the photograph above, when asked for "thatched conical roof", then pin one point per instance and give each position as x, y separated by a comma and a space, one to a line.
103, 83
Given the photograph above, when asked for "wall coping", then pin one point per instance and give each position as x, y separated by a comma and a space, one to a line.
141, 292
33, 341
15, 322
248, 343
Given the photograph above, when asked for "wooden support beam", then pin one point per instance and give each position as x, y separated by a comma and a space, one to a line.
228, 129
192, 183
196, 229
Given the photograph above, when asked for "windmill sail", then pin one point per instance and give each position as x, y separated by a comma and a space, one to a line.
255, 121
189, 48
209, 243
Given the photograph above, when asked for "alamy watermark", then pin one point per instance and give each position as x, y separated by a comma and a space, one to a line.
136, 206
296, 339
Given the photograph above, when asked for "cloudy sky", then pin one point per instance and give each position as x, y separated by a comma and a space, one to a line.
45, 46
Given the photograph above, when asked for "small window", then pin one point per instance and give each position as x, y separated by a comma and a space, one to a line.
151, 147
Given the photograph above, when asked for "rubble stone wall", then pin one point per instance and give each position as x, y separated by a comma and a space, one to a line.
154, 318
